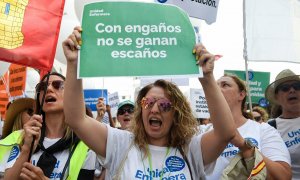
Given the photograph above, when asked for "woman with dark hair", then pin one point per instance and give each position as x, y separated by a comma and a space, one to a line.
57, 152
268, 141
163, 143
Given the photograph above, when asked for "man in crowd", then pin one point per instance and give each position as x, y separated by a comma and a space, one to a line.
285, 93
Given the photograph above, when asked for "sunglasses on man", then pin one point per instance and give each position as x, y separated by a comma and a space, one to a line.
56, 84
287, 87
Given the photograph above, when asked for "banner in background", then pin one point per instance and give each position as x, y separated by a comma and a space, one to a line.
120, 40
29, 31
202, 9
272, 30
17, 79
113, 101
4, 99
198, 103
258, 82
91, 97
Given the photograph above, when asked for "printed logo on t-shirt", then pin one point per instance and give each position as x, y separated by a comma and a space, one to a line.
54, 174
231, 150
164, 174
172, 170
175, 163
293, 138
13, 153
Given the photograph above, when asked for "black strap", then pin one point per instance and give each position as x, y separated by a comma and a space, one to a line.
272, 123
186, 160
40, 113
68, 160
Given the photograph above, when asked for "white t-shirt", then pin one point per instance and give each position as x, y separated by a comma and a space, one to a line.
289, 130
164, 162
205, 127
267, 139
60, 156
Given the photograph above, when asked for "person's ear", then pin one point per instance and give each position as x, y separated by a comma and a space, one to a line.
243, 94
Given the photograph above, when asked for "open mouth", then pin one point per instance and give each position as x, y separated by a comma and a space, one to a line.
292, 98
155, 122
126, 120
50, 99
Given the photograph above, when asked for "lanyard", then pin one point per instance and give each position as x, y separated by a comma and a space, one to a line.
150, 159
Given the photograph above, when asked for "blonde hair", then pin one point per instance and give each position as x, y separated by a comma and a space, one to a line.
18, 122
184, 126
262, 112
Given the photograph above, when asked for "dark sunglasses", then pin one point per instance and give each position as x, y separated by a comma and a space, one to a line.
287, 87
57, 84
30, 111
164, 104
123, 111
257, 118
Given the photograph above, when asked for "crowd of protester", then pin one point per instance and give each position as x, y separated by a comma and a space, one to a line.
55, 136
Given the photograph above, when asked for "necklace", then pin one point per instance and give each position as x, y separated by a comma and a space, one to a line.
150, 162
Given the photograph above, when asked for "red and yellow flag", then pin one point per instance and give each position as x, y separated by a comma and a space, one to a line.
29, 32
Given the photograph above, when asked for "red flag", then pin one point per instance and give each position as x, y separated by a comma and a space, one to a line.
31, 29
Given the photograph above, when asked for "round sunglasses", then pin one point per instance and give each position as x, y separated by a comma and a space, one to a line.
164, 104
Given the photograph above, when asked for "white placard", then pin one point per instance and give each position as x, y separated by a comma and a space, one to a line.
198, 103
202, 9
113, 101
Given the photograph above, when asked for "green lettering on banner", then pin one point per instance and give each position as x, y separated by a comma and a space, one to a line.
136, 39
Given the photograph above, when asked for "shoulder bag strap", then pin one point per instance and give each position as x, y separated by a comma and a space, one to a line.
272, 122
121, 166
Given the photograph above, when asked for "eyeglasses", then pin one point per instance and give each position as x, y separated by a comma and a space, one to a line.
164, 104
57, 84
287, 87
123, 111
257, 118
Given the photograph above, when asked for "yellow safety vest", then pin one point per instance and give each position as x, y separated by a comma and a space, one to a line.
76, 161
7, 143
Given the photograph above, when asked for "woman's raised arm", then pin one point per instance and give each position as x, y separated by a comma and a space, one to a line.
89, 130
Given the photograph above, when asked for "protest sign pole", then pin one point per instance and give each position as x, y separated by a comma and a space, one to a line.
246, 57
